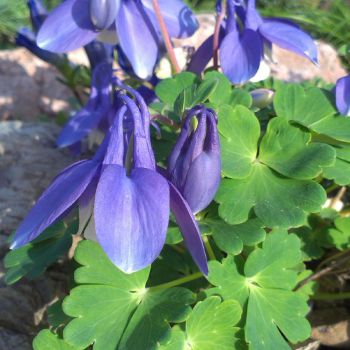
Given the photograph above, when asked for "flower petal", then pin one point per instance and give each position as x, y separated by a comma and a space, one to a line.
79, 126
189, 228
26, 38
289, 37
203, 180
179, 19
67, 28
131, 215
342, 93
202, 56
138, 38
240, 55
86, 205
60, 196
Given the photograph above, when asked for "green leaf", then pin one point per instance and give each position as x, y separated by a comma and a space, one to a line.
277, 201
113, 310
169, 89
287, 149
193, 95
340, 171
176, 340
314, 237
184, 100
272, 307
223, 90
150, 322
205, 89
47, 340
273, 180
34, 258
240, 132
232, 238
340, 235
310, 288
56, 317
211, 322
240, 97
313, 109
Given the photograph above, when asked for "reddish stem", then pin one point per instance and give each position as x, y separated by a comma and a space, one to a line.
166, 36
216, 39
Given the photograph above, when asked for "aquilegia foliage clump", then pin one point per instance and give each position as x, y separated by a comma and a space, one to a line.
201, 208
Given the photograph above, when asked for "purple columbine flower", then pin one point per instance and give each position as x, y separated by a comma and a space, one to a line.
244, 38
95, 112
241, 51
27, 38
121, 196
194, 165
342, 95
97, 52
75, 23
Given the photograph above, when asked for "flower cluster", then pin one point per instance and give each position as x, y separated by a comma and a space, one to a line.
246, 37
132, 23
124, 201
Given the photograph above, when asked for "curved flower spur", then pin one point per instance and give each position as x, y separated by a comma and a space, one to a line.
194, 165
129, 199
96, 110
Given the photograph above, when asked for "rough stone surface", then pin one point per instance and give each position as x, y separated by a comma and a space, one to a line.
29, 161
29, 87
23, 306
330, 327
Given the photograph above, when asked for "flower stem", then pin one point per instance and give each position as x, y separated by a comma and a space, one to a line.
166, 37
209, 248
216, 39
178, 281
331, 296
331, 188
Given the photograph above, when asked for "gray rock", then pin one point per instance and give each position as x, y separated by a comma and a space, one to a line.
29, 87
29, 161
13, 340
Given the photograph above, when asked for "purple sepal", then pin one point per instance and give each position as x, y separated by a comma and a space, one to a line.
68, 27
97, 108
38, 13
342, 94
189, 228
59, 197
289, 37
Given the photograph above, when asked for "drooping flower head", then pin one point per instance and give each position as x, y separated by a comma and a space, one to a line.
246, 38
195, 164
75, 23
121, 196
257, 33
97, 52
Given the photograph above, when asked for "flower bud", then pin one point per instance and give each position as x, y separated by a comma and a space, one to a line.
262, 97
194, 165
103, 13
